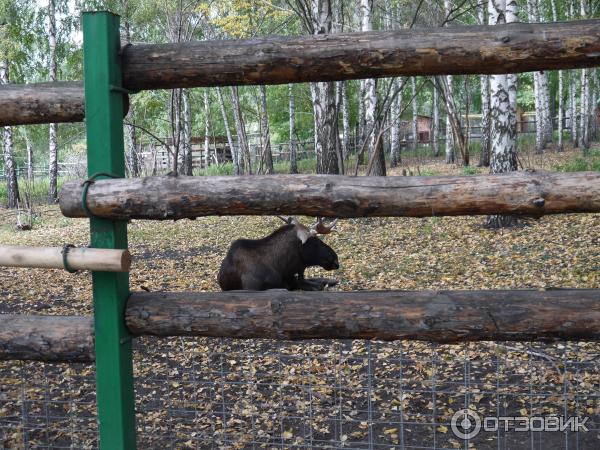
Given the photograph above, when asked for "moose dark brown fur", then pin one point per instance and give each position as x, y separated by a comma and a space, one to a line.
277, 261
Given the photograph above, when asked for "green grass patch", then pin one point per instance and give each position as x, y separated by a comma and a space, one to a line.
581, 163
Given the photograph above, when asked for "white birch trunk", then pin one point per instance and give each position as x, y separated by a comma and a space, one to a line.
450, 157
292, 142
187, 132
267, 155
560, 88
395, 128
345, 120
10, 173
503, 157
246, 167
435, 128
585, 97
415, 117
376, 155
206, 105
235, 153
29, 147
132, 154
323, 97
53, 129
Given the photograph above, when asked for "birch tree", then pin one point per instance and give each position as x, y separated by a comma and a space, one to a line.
241, 132
53, 129
266, 153
292, 140
448, 97
235, 153
543, 120
484, 80
585, 98
206, 98
503, 157
415, 117
373, 142
10, 173
132, 155
435, 123
186, 132
560, 88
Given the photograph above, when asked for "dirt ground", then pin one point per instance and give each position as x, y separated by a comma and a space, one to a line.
220, 393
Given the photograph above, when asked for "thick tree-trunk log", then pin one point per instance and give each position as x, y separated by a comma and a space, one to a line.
445, 316
22, 104
275, 60
164, 198
46, 338
510, 48
98, 259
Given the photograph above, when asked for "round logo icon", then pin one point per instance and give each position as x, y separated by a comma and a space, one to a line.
465, 424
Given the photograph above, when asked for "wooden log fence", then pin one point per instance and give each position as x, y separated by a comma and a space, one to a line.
437, 316
166, 197
77, 258
510, 48
46, 338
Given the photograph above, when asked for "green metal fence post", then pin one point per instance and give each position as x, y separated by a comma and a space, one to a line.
104, 126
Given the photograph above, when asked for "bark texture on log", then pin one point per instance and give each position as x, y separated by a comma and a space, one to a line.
444, 316
163, 198
507, 48
22, 104
46, 338
510, 48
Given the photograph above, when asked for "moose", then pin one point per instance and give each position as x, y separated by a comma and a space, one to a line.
279, 260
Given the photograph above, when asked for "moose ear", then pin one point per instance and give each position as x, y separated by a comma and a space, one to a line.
303, 234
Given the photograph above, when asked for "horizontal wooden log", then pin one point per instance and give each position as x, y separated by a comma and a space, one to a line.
46, 338
98, 259
517, 193
22, 104
510, 48
444, 316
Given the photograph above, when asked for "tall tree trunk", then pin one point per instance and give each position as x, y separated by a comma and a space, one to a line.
484, 160
187, 132
10, 173
435, 124
538, 90
415, 117
323, 98
53, 129
503, 130
241, 131
543, 131
176, 128
585, 97
29, 146
374, 143
345, 119
573, 107
267, 155
293, 144
395, 157
132, 157
560, 88
450, 157
238, 164
206, 105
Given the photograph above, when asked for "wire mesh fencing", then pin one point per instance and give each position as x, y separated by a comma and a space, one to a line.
252, 394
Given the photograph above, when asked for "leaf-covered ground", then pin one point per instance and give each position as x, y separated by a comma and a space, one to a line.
219, 393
